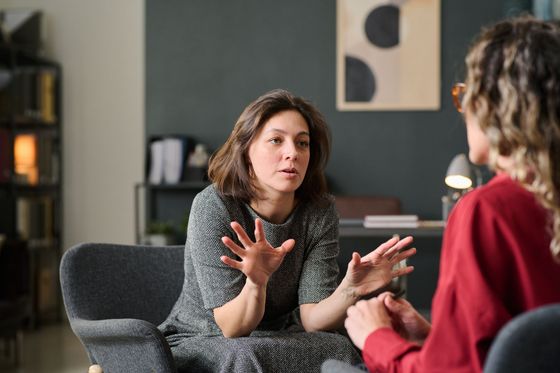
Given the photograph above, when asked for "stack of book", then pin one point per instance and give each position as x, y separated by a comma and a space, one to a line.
391, 221
167, 158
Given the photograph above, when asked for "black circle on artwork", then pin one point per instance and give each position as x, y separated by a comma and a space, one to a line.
360, 81
382, 26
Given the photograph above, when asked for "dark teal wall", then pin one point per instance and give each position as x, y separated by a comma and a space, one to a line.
207, 59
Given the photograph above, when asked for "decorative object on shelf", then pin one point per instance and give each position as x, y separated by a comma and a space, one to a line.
378, 55
197, 165
21, 27
459, 179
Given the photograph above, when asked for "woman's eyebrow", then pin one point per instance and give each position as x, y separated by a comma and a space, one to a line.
285, 132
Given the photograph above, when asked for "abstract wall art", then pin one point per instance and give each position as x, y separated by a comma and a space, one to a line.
388, 55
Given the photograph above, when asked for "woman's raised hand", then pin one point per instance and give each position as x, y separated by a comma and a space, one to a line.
373, 271
259, 259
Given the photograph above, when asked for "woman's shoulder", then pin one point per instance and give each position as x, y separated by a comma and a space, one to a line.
211, 199
500, 192
502, 198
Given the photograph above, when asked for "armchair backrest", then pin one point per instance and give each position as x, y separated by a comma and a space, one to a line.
108, 281
529, 342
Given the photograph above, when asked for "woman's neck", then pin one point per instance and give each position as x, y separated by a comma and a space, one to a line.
274, 209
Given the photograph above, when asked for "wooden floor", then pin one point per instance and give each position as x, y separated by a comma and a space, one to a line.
50, 349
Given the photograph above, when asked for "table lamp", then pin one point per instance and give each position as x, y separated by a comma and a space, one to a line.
459, 173
459, 180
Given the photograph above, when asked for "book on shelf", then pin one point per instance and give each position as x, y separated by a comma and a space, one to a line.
155, 173
167, 159
35, 218
36, 94
173, 159
5, 158
6, 97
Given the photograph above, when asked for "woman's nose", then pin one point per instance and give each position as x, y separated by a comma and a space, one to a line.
291, 151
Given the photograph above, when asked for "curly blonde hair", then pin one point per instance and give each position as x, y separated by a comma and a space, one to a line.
513, 90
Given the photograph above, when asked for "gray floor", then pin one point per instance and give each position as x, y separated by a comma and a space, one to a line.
50, 349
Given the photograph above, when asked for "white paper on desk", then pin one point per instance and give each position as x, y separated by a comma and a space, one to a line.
391, 218
156, 162
172, 160
391, 224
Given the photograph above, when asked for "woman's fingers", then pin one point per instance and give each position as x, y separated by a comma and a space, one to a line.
399, 246
288, 245
355, 260
382, 249
402, 271
403, 255
241, 234
231, 262
236, 249
259, 230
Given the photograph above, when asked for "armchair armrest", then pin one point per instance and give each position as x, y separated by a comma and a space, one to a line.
125, 345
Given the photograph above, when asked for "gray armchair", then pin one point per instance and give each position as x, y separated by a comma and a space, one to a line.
530, 342
115, 295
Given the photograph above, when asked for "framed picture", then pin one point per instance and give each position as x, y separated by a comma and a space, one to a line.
388, 55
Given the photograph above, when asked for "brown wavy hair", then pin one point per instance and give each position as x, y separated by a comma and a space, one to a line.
513, 90
229, 168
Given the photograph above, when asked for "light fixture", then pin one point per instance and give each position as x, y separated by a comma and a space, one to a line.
459, 173
459, 179
25, 158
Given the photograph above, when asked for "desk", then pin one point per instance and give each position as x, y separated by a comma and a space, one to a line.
425, 229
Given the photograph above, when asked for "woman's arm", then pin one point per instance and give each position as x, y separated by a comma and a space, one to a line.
241, 315
364, 276
259, 260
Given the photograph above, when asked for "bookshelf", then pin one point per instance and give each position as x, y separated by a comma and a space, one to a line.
30, 168
168, 203
176, 170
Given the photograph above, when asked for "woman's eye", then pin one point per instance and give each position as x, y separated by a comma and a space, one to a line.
274, 140
303, 144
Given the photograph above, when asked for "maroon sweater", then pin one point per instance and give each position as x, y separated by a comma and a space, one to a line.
495, 264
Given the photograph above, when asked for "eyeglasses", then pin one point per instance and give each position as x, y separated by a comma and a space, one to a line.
457, 92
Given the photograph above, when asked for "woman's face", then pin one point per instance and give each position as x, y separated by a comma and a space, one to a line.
479, 146
279, 154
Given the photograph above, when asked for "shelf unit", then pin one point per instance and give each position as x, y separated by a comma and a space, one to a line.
164, 202
31, 169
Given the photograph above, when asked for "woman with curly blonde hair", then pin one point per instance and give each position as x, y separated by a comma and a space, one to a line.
501, 248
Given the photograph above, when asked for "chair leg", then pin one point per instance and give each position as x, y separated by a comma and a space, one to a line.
95, 369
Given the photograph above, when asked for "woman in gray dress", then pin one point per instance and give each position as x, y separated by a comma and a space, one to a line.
260, 291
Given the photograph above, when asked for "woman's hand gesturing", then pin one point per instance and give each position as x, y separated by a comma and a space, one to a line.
259, 259
373, 271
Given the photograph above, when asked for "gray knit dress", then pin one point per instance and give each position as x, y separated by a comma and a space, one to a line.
308, 274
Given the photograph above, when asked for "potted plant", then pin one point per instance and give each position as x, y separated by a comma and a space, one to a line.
159, 233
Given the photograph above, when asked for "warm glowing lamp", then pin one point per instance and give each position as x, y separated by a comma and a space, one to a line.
459, 180
459, 173
25, 157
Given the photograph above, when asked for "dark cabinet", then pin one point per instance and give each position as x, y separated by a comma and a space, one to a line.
30, 168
